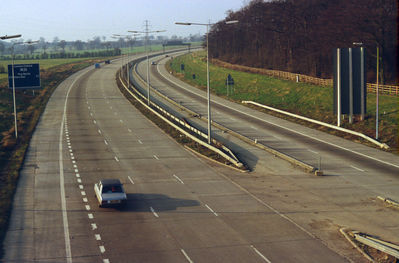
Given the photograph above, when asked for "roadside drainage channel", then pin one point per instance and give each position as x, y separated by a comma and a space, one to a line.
226, 153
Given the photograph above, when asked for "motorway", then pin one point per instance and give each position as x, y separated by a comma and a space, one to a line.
181, 208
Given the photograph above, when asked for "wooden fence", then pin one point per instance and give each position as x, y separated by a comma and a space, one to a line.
384, 89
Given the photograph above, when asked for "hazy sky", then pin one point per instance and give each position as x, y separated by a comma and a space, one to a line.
84, 19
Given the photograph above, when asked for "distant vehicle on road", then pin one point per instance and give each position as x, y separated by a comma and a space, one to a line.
153, 63
97, 65
110, 192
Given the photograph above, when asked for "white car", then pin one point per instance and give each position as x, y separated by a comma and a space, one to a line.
110, 192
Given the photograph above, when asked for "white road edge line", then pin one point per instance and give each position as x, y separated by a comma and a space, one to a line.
130, 179
210, 209
153, 211
178, 179
186, 256
260, 254
67, 239
286, 128
354, 167
312, 151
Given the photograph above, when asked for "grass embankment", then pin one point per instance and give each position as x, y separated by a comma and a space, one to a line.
308, 100
29, 109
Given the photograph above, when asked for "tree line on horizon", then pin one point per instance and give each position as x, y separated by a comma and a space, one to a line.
96, 47
300, 35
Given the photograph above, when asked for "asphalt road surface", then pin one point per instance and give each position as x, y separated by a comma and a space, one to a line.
180, 207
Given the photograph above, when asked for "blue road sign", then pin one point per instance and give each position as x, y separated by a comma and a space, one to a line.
26, 76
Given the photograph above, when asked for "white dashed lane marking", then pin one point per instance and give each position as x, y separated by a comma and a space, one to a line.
210, 209
153, 211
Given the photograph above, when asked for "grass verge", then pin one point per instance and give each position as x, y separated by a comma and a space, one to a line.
30, 108
308, 100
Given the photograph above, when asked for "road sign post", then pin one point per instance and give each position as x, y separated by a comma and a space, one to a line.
22, 76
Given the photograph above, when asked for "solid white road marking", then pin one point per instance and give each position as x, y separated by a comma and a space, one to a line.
260, 254
140, 142
75, 166
153, 211
93, 226
105, 260
87, 207
156, 157
83, 193
79, 180
186, 256
94, 121
85, 200
90, 216
102, 249
294, 131
76, 171
121, 121
211, 210
62, 181
116, 159
130, 179
178, 179
91, 114
98, 237
99, 131
129, 130
73, 161
313, 151
105, 142
354, 167
78, 175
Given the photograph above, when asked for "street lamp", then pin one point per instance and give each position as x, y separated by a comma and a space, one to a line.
146, 31
8, 37
207, 66
127, 37
13, 86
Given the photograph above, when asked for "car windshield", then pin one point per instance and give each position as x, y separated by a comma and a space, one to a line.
112, 189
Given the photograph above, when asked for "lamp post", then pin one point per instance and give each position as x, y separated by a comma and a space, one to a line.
207, 67
146, 31
116, 37
13, 85
128, 38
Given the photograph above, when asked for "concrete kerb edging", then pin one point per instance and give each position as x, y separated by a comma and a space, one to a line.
230, 159
389, 201
381, 145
